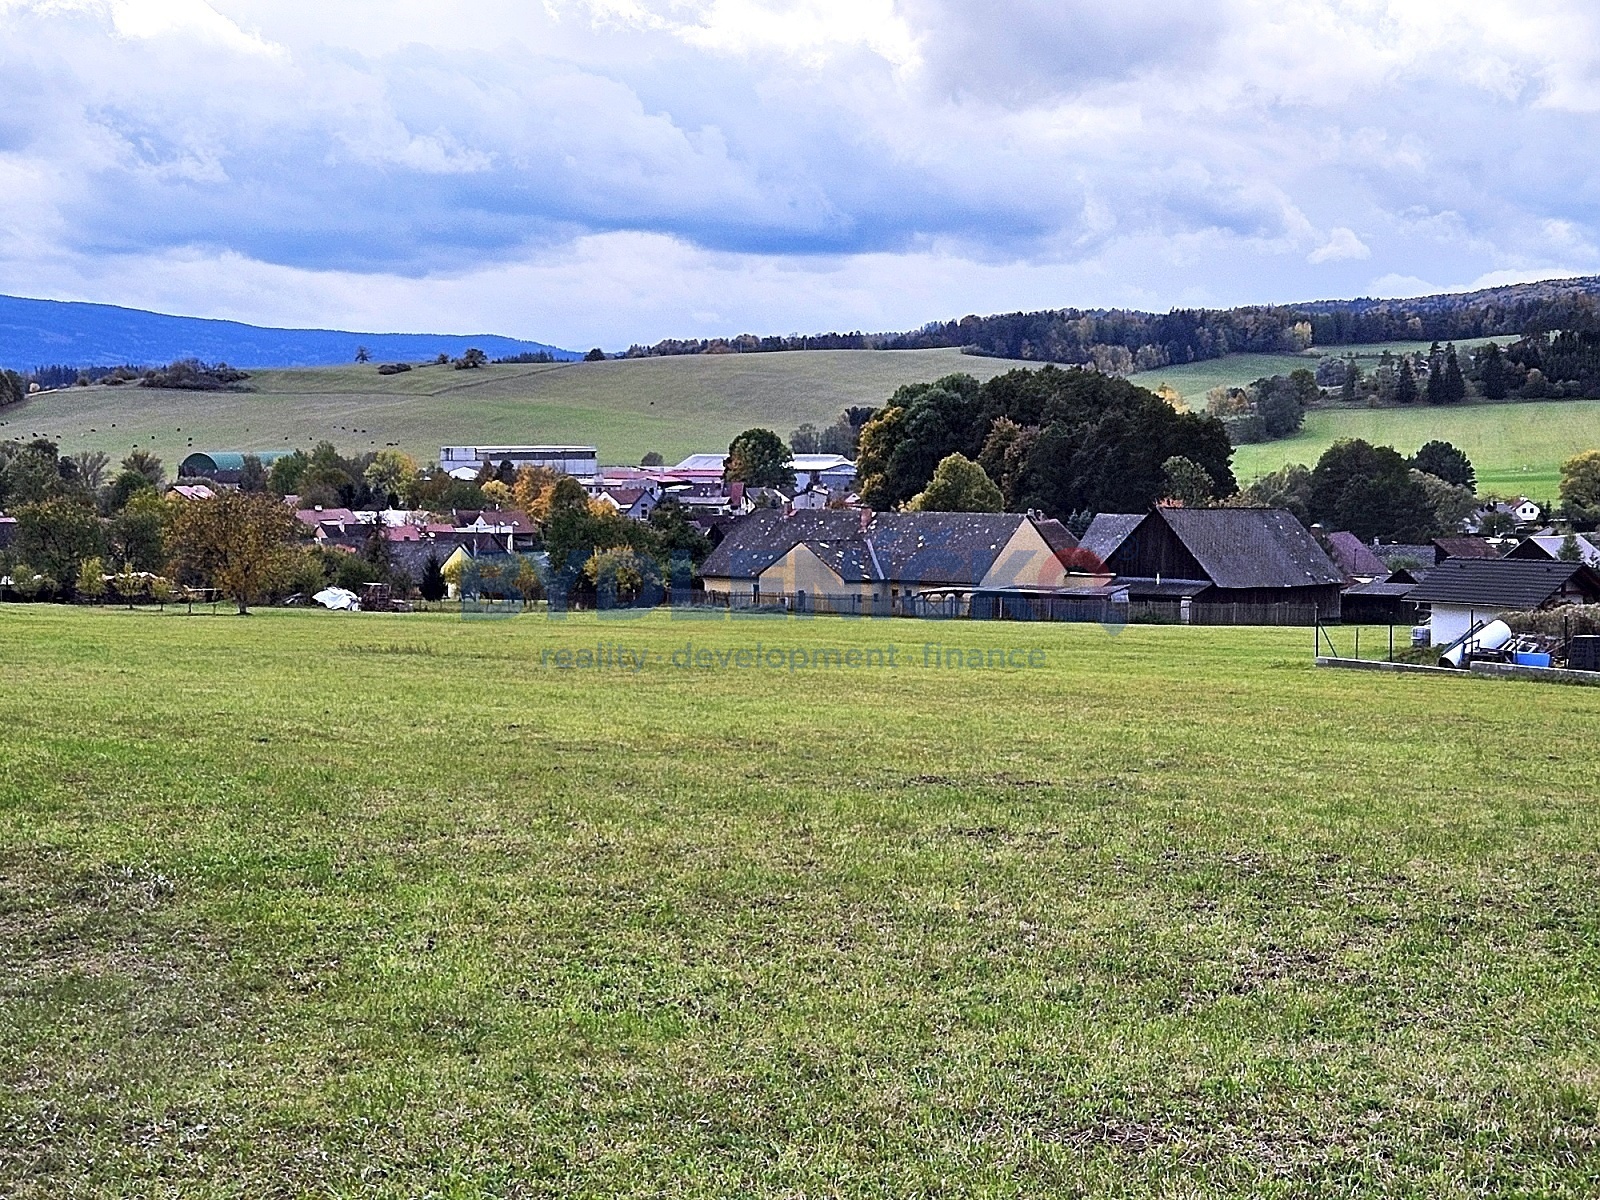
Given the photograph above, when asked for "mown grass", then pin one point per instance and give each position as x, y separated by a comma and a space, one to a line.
388, 905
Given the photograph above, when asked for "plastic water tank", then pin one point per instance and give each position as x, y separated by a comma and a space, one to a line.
1491, 637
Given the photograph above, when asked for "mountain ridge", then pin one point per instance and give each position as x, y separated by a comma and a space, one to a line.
36, 333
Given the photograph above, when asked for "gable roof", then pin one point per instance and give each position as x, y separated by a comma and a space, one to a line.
1503, 583
940, 548
1056, 535
1353, 556
1252, 547
1466, 547
1108, 531
1541, 546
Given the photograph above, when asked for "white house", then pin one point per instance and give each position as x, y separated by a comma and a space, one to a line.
1464, 592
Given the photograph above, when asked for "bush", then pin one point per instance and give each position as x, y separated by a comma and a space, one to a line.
1576, 620
192, 375
394, 368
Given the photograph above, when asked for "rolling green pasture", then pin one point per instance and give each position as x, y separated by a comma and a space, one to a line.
354, 904
628, 407
1516, 448
680, 405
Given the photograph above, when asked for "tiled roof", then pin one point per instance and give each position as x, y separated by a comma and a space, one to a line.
1502, 583
954, 548
1466, 547
1353, 556
1056, 535
1423, 556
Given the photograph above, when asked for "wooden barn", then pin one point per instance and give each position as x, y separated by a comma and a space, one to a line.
1258, 561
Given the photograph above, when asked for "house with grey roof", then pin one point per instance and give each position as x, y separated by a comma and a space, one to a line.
1548, 548
1463, 592
887, 557
1240, 556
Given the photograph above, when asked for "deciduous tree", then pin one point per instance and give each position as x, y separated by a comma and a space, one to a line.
958, 485
239, 543
758, 458
1447, 462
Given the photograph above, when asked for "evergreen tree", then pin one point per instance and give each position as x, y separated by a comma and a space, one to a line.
1455, 383
1435, 374
432, 586
1405, 384
1352, 380
1492, 372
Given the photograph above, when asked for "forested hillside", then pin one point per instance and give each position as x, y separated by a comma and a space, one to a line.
1124, 341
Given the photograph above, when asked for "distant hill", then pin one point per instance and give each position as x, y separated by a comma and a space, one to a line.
35, 333
1125, 341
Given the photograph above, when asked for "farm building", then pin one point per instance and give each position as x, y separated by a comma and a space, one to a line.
1462, 592
224, 466
464, 462
1249, 558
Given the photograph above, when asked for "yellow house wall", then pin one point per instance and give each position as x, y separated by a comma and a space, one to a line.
802, 571
1026, 562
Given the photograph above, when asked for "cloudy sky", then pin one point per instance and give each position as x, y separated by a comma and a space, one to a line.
608, 171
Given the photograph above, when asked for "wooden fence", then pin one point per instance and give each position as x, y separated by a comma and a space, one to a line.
1010, 607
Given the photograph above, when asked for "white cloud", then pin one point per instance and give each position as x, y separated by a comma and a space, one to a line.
613, 170
1342, 244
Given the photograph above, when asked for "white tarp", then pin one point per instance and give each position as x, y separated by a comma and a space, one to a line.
338, 599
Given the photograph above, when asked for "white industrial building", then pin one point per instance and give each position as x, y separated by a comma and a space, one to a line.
464, 462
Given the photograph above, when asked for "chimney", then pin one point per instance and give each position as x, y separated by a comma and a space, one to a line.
866, 519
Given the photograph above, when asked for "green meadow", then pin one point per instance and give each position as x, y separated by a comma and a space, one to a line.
676, 406
395, 905
1517, 448
681, 405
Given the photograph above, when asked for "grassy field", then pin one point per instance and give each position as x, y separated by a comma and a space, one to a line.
392, 905
674, 405
1516, 448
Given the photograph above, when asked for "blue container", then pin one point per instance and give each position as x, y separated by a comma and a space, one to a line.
1531, 660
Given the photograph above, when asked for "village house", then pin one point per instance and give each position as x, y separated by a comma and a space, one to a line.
886, 558
1462, 593
1355, 558
1549, 547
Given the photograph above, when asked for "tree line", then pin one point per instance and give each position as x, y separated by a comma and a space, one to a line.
1123, 341
82, 522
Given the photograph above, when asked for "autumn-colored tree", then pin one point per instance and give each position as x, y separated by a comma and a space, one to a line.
238, 542
392, 473
531, 491
618, 574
